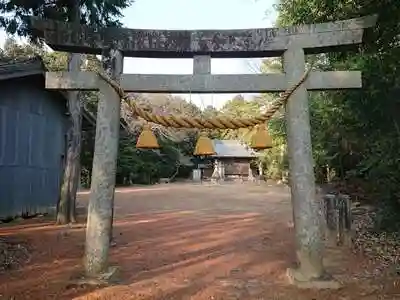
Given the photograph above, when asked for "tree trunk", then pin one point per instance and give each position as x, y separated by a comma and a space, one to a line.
73, 189
67, 202
76, 117
66, 211
64, 201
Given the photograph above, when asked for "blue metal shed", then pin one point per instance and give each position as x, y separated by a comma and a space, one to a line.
32, 139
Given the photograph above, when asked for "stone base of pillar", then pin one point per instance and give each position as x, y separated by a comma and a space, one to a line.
112, 276
298, 279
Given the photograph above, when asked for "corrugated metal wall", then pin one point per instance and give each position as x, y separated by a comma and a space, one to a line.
32, 123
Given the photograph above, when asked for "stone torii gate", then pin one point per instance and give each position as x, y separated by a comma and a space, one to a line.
293, 43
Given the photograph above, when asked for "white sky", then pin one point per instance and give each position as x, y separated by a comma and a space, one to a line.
195, 14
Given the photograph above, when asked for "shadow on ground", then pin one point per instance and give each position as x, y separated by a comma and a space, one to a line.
181, 242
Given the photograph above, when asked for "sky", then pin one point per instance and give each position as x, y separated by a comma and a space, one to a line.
195, 14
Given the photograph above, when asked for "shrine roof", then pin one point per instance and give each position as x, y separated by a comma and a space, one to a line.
16, 68
232, 148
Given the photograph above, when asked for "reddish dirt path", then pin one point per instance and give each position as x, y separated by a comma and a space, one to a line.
183, 242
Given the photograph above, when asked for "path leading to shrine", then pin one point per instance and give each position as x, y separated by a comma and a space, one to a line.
184, 241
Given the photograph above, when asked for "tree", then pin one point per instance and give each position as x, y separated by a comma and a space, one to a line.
356, 133
175, 143
53, 61
14, 14
273, 160
137, 166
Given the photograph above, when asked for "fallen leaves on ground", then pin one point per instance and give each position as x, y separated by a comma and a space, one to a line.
12, 254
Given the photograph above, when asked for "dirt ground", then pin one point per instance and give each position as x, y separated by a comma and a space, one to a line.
184, 241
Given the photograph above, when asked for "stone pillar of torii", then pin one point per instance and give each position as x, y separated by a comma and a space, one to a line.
293, 43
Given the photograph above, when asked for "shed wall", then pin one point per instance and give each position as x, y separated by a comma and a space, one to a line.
32, 146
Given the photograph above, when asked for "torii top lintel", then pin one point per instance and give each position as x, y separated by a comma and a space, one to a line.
261, 42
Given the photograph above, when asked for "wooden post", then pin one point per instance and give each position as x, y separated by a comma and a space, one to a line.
331, 221
338, 219
250, 177
347, 220
260, 169
100, 211
309, 239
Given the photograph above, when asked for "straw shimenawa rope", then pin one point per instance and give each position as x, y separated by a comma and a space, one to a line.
218, 122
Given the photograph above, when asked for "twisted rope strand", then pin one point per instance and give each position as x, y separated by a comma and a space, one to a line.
218, 122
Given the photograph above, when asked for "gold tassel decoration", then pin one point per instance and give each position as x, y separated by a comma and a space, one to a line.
204, 146
261, 139
147, 139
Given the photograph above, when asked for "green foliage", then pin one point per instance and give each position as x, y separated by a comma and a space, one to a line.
356, 133
13, 51
137, 166
15, 14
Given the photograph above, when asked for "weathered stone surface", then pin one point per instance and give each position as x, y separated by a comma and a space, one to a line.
111, 276
202, 64
113, 65
203, 83
297, 279
306, 209
100, 210
261, 42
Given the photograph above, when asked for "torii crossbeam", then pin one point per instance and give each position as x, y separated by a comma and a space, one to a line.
292, 43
